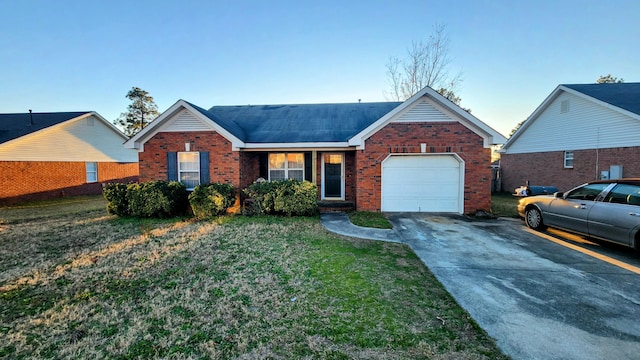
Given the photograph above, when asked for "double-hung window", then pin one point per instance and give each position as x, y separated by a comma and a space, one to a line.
189, 169
284, 166
568, 159
92, 172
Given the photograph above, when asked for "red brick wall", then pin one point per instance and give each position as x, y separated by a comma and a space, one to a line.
224, 163
32, 180
444, 137
547, 168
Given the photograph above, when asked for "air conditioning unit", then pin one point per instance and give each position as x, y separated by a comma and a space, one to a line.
615, 172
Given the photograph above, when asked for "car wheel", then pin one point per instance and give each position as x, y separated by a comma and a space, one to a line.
533, 218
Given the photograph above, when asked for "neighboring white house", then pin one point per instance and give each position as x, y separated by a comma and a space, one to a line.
579, 133
64, 153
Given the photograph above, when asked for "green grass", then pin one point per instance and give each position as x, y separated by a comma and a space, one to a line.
504, 204
239, 287
370, 219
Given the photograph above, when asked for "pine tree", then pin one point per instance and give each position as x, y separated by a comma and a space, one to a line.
140, 112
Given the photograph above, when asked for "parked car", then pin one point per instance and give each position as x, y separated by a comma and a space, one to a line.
604, 209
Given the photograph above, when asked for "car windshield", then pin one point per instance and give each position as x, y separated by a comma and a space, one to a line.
587, 192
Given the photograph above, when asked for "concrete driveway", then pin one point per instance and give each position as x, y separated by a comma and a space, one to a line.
540, 295
538, 298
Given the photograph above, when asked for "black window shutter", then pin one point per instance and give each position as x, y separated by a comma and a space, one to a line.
172, 166
204, 167
264, 165
308, 174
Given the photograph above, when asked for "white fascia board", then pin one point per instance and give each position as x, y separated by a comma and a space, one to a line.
236, 143
542, 107
83, 116
296, 146
547, 102
489, 135
110, 125
600, 102
138, 140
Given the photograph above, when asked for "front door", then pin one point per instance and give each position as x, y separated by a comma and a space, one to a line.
333, 175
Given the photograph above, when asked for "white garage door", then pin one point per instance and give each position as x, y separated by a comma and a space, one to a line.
422, 183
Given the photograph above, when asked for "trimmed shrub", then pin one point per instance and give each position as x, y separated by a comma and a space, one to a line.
116, 195
288, 197
263, 193
209, 200
157, 199
151, 199
296, 198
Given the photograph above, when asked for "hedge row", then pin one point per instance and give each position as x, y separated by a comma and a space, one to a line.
150, 199
165, 199
286, 197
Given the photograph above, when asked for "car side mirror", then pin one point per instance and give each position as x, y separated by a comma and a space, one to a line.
558, 195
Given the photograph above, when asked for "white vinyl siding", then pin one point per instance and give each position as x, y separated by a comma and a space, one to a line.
422, 111
73, 140
189, 169
587, 125
185, 121
284, 166
568, 159
92, 172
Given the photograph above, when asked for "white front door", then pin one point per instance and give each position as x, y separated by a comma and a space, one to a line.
333, 176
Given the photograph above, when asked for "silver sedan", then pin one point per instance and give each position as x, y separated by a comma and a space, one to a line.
606, 209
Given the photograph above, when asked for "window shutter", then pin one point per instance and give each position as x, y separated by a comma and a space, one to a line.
264, 165
204, 167
308, 174
172, 166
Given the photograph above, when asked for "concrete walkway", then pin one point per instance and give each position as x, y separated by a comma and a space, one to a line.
339, 223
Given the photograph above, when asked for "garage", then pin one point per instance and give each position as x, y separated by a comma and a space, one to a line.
422, 183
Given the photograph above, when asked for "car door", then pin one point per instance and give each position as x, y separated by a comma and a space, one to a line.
617, 216
571, 210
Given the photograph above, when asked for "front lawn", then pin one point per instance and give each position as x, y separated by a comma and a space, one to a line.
77, 283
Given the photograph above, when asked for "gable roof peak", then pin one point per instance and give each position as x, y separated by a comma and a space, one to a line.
15, 125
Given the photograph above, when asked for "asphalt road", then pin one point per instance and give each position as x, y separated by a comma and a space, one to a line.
545, 295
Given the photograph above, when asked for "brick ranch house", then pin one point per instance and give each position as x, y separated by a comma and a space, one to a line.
47, 155
579, 133
425, 154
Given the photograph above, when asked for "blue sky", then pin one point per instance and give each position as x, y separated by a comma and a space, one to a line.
85, 55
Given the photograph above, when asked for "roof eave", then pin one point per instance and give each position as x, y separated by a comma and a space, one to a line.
138, 140
296, 146
489, 135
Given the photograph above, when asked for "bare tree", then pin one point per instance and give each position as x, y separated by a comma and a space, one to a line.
426, 64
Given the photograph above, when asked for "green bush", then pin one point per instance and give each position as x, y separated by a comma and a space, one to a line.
263, 193
151, 199
288, 197
209, 200
116, 195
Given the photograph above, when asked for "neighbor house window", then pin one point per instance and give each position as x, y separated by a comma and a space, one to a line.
189, 169
286, 166
568, 159
92, 172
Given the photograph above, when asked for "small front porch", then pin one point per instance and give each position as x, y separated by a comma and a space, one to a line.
325, 206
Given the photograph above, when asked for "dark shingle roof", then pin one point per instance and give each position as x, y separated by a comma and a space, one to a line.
298, 123
623, 95
13, 126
